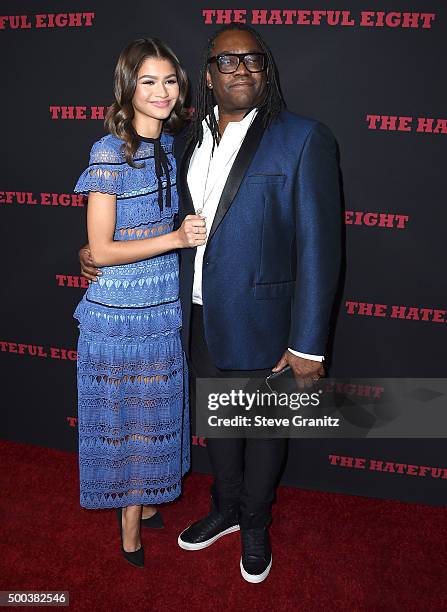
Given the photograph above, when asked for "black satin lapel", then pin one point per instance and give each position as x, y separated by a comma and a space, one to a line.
238, 170
186, 203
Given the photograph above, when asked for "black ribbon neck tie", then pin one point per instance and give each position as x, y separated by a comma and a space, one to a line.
162, 167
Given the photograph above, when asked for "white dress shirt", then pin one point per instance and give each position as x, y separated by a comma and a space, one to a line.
207, 175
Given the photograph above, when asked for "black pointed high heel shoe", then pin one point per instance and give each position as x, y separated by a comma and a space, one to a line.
135, 558
154, 522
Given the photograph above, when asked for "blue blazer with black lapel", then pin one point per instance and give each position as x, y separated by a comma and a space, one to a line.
272, 259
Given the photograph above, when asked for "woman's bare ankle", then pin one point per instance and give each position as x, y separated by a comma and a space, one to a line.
148, 511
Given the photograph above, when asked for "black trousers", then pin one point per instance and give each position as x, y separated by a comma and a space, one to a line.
246, 470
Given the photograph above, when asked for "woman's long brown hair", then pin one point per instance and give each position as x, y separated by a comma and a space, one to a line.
118, 120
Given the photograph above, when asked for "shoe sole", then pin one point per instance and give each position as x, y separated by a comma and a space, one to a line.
255, 578
200, 545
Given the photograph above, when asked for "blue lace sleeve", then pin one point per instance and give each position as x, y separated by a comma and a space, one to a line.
105, 172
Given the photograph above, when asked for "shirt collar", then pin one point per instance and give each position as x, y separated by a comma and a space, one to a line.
243, 124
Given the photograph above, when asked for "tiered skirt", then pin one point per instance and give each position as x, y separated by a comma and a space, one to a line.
133, 412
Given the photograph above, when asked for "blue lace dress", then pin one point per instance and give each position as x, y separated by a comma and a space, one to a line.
132, 376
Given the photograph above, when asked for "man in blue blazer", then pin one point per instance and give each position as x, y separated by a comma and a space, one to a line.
258, 295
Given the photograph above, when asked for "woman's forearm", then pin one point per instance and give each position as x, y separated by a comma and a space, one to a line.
118, 252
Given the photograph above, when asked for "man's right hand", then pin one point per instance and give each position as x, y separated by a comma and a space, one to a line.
88, 269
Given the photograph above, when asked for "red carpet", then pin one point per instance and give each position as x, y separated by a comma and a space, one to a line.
331, 552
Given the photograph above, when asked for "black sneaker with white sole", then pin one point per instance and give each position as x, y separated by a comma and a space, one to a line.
206, 531
256, 560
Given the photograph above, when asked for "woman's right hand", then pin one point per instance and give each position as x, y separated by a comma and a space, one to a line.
192, 232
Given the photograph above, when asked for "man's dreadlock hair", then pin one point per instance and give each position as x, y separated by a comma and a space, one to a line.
204, 99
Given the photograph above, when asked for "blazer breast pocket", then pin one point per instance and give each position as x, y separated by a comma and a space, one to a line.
277, 179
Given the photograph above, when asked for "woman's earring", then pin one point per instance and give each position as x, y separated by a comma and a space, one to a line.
210, 85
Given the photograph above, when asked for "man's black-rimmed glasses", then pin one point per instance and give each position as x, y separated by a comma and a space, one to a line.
229, 62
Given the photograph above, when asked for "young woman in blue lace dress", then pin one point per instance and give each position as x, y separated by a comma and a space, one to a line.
132, 375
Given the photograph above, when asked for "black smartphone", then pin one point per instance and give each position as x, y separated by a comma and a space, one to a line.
282, 381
